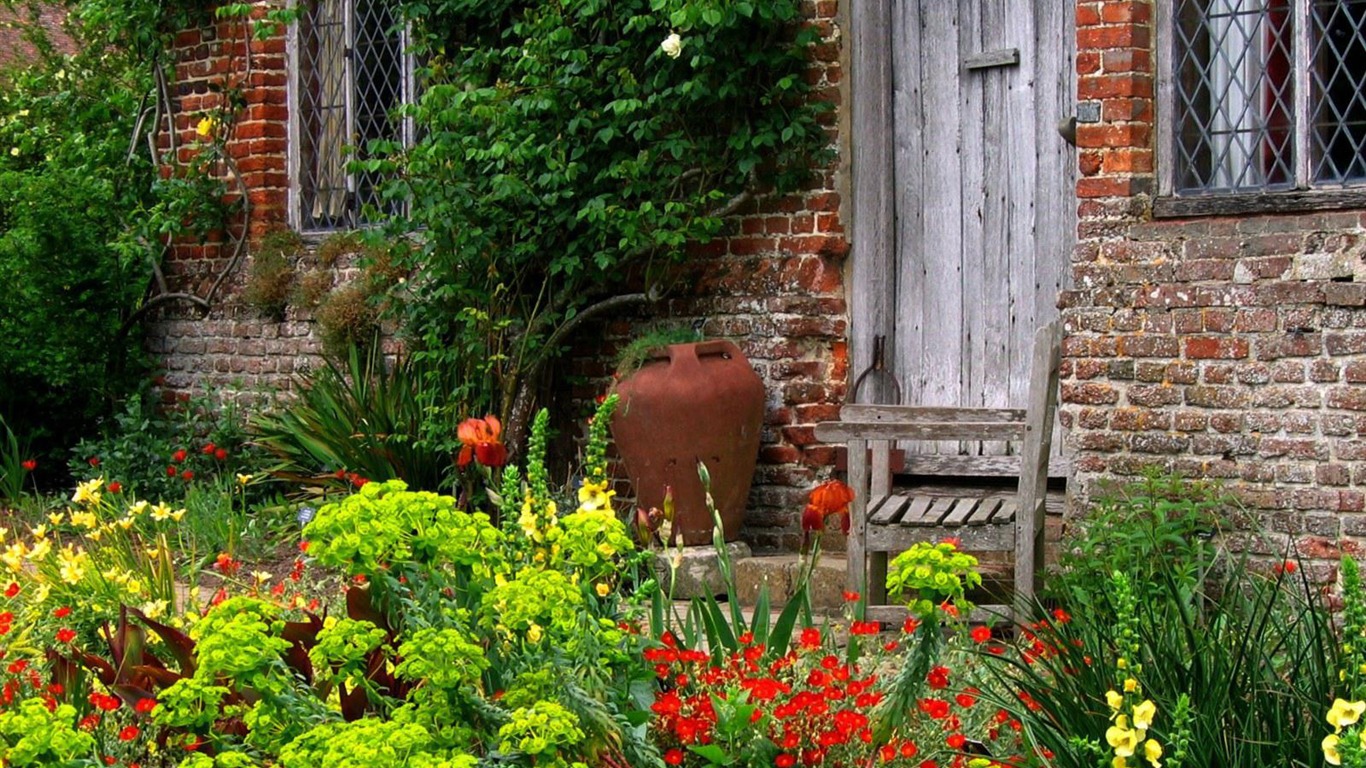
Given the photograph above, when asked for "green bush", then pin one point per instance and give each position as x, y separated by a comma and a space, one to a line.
563, 149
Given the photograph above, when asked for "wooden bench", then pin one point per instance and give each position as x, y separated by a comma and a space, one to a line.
886, 520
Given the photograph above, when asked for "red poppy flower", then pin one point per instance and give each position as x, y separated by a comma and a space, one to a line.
981, 634
851, 597
65, 635
115, 487
29, 464
482, 441
62, 613
208, 449
938, 678
784, 760
187, 475
172, 471
674, 756
179, 456
94, 461
145, 706
129, 733
220, 454
12, 590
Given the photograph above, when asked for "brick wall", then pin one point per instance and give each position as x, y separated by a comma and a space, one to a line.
14, 50
773, 283
232, 347
1230, 347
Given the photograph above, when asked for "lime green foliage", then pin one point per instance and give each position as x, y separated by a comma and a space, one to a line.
32, 735
220, 760
592, 541
445, 658
385, 523
191, 703
931, 575
563, 150
541, 731
237, 639
343, 646
533, 601
366, 744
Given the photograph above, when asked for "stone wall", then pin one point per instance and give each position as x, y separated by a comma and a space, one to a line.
773, 283
1229, 347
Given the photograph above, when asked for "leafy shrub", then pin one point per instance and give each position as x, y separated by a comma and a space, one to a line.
563, 149
347, 318
70, 260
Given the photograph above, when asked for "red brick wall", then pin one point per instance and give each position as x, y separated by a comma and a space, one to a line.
14, 50
774, 284
1229, 347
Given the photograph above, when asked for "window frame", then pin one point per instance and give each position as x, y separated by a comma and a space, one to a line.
295, 122
1169, 203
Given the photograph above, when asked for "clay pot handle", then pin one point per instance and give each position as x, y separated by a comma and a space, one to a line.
686, 357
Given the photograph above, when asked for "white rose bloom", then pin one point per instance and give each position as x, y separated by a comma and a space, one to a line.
672, 46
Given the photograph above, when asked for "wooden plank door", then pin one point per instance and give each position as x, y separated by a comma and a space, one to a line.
976, 244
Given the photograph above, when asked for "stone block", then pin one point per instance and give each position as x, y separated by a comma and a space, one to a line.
699, 570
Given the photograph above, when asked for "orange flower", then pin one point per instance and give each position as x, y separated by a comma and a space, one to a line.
482, 441
829, 498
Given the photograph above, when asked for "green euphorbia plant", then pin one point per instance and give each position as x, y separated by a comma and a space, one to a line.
569, 146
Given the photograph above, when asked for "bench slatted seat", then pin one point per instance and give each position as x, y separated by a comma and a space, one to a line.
886, 520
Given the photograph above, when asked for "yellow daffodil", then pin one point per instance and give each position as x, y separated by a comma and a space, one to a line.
126, 523
602, 588
41, 549
56, 518
88, 492
138, 508
176, 515
133, 587
1122, 738
1345, 713
153, 553
1130, 685
1143, 715
13, 557
534, 633
161, 512
71, 565
40, 594
1330, 750
84, 519
95, 535
40, 532
206, 127
1119, 762
1122, 663
1115, 699
261, 577
243, 479
153, 608
1152, 751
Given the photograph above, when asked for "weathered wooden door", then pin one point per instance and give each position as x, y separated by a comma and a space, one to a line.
962, 256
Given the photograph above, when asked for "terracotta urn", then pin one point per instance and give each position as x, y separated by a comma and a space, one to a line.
689, 403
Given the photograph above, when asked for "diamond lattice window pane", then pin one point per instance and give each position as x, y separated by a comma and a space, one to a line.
1338, 78
351, 75
1234, 95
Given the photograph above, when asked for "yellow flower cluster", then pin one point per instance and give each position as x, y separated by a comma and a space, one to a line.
1130, 731
1342, 714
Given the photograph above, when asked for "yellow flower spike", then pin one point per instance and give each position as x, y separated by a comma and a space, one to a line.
1152, 752
1130, 685
1123, 739
1115, 699
1345, 713
1143, 715
1330, 750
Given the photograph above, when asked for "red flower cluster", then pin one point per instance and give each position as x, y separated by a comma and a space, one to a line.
29, 464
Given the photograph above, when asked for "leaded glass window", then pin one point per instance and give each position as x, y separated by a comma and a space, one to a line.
351, 75
1268, 95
